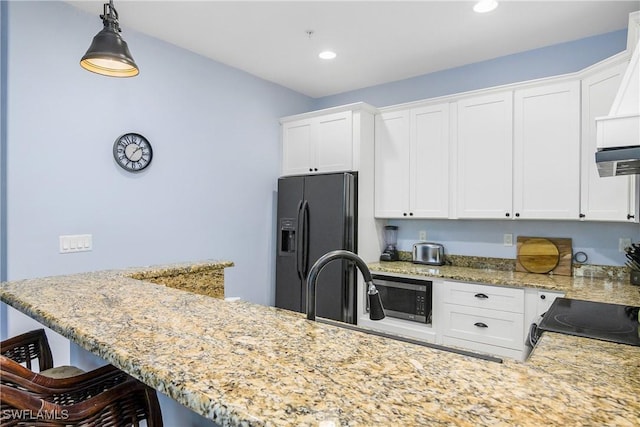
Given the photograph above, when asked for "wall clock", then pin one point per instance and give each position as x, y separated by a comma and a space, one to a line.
132, 152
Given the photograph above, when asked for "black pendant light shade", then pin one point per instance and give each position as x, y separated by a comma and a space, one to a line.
108, 54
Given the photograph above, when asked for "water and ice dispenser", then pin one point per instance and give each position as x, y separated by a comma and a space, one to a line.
287, 233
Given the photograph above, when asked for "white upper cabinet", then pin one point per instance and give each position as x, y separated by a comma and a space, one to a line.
484, 156
429, 167
518, 153
318, 144
547, 151
609, 198
412, 163
392, 155
296, 147
334, 142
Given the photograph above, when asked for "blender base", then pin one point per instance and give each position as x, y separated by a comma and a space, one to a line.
389, 256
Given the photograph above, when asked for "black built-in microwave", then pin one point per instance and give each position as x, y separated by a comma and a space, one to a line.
405, 298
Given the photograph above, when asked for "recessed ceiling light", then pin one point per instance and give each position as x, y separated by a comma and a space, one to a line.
484, 6
327, 54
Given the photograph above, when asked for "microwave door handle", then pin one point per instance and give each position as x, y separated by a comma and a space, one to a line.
299, 243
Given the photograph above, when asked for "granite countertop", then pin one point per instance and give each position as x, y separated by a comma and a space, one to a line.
601, 289
242, 364
201, 279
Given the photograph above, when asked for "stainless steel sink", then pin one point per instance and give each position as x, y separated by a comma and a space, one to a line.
409, 340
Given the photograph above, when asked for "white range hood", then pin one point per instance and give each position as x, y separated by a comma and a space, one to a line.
618, 134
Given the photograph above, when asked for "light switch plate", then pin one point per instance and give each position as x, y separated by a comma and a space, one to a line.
76, 243
508, 239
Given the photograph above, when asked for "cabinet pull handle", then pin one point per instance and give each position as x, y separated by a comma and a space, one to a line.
481, 325
404, 214
507, 214
629, 216
410, 213
517, 214
582, 215
481, 296
310, 169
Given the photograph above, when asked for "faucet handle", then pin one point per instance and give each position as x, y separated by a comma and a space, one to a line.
376, 311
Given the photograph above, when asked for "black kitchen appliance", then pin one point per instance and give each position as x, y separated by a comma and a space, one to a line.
405, 298
316, 215
604, 321
390, 252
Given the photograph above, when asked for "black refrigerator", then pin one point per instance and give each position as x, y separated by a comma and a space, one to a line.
317, 214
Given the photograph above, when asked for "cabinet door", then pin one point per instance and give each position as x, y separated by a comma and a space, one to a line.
296, 147
547, 152
429, 157
492, 327
610, 198
392, 165
484, 156
484, 296
544, 300
333, 140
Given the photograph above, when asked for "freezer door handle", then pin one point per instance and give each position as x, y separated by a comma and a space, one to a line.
299, 243
305, 238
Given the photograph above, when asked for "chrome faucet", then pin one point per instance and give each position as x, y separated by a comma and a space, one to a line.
376, 311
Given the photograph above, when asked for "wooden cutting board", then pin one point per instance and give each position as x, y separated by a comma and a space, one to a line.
544, 255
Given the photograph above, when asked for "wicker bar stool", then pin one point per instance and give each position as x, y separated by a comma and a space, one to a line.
105, 396
29, 346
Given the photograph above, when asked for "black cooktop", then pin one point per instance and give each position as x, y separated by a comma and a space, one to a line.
609, 322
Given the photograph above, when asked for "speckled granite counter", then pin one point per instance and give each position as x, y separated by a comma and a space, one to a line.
587, 288
242, 364
206, 280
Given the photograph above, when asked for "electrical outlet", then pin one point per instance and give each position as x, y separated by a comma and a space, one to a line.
508, 239
422, 235
623, 243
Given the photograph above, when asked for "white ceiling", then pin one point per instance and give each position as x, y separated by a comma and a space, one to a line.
376, 41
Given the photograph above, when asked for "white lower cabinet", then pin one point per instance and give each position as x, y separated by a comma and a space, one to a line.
537, 303
493, 331
487, 319
481, 318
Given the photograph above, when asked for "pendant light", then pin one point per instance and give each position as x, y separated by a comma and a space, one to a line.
109, 54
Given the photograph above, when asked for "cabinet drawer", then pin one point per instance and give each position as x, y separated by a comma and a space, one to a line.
482, 296
498, 328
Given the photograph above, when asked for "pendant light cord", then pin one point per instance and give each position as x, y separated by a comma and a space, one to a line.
110, 16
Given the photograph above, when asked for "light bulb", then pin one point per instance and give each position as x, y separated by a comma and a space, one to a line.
484, 6
327, 54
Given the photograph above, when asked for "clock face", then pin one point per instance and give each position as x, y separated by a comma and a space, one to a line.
132, 152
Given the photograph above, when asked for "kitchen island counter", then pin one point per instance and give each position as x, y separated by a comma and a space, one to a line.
242, 364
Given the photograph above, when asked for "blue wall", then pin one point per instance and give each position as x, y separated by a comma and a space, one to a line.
485, 238
208, 193
3, 156
210, 190
544, 62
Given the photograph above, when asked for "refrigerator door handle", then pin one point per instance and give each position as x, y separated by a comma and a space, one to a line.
305, 238
299, 243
